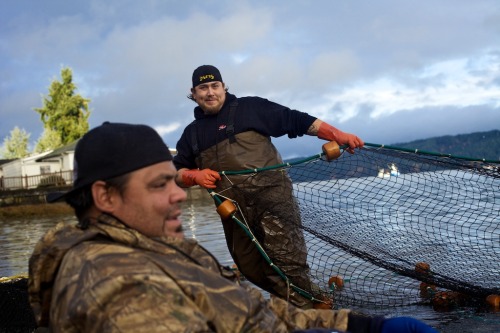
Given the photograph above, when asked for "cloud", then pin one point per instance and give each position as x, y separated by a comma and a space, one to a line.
167, 129
356, 65
456, 83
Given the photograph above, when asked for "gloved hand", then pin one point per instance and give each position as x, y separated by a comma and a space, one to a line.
330, 133
205, 178
405, 325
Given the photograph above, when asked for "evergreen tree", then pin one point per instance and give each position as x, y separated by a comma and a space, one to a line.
64, 114
16, 146
50, 139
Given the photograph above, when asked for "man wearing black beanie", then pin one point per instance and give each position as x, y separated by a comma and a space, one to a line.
231, 134
126, 266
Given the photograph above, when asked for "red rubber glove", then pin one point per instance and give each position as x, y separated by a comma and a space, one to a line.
205, 178
330, 133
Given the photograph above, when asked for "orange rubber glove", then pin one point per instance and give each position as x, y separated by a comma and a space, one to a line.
330, 133
205, 178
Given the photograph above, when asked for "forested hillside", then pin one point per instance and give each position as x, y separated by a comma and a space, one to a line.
476, 145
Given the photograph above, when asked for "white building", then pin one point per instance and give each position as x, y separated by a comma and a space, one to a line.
48, 168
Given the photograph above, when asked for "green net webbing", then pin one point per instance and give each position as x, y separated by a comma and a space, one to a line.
371, 217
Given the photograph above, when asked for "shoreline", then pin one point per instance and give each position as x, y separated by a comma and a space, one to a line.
62, 208
35, 210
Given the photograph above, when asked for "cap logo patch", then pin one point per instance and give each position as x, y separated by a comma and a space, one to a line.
205, 73
204, 77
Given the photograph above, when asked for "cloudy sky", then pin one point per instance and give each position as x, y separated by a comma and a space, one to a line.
390, 71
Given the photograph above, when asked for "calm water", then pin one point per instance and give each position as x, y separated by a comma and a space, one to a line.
18, 237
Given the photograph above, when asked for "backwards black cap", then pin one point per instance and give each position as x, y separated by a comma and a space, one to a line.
112, 150
206, 73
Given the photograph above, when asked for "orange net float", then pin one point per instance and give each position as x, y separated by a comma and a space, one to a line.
427, 290
493, 301
326, 305
336, 283
331, 150
422, 268
447, 300
236, 271
323, 302
226, 209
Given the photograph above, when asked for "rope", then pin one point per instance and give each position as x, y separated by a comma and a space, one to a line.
261, 250
372, 145
366, 200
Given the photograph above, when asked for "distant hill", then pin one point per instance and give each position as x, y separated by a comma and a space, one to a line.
480, 145
475, 145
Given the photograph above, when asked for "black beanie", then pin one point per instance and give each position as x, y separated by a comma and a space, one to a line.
206, 73
112, 150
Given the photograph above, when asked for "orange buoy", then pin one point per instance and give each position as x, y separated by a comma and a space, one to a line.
427, 290
446, 300
236, 271
331, 150
494, 301
323, 303
336, 283
226, 209
442, 300
323, 306
422, 268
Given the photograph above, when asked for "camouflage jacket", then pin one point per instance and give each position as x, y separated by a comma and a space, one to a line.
110, 278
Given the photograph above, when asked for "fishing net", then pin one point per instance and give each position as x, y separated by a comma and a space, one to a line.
385, 226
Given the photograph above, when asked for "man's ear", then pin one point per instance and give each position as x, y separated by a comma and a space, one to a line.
104, 197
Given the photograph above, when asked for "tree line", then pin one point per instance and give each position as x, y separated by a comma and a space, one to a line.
64, 115
480, 145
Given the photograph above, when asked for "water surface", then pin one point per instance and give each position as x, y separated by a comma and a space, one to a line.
18, 237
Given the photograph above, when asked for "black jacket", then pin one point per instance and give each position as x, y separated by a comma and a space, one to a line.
252, 114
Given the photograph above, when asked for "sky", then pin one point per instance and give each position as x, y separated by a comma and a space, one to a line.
390, 71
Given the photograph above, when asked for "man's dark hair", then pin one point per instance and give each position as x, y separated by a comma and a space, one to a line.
82, 200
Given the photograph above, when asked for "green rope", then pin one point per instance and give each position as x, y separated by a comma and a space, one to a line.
302, 292
249, 233
273, 167
373, 145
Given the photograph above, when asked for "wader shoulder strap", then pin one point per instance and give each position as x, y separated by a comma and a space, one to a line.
230, 121
229, 131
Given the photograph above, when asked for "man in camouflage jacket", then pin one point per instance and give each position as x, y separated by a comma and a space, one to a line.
111, 278
126, 267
